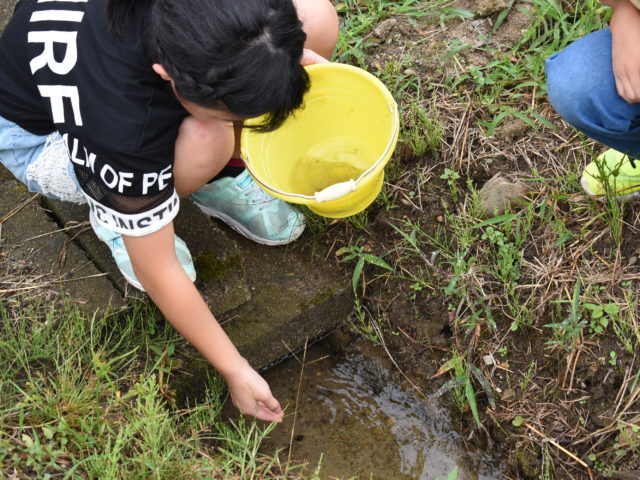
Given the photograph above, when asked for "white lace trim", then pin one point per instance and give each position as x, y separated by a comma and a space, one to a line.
51, 171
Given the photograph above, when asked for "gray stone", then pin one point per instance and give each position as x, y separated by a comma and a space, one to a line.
219, 265
497, 194
6, 10
55, 263
270, 300
383, 29
485, 8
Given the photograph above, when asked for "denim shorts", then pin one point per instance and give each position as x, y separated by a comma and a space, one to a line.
582, 88
41, 162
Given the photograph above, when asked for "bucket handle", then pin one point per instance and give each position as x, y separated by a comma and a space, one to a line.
337, 190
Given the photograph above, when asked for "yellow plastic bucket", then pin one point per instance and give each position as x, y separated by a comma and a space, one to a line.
330, 155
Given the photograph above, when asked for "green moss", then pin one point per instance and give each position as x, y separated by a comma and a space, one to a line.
210, 267
325, 294
529, 463
19, 188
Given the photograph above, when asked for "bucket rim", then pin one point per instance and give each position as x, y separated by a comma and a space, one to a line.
339, 190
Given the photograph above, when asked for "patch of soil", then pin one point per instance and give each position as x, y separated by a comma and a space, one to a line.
560, 402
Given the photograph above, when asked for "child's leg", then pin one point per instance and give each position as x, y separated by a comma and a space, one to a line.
320, 23
41, 162
202, 150
582, 89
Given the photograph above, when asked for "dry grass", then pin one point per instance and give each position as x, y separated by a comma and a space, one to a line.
573, 400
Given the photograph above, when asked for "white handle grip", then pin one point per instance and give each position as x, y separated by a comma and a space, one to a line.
335, 191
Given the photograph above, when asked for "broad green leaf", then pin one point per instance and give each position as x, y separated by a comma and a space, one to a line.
374, 260
471, 398
356, 275
494, 220
611, 309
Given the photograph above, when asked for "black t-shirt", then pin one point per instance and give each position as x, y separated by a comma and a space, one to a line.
62, 69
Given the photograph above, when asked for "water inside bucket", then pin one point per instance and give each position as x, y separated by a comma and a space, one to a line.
332, 161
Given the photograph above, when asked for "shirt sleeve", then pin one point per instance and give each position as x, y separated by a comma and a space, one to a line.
131, 194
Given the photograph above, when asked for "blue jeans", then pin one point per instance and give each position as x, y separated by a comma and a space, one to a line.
582, 89
41, 162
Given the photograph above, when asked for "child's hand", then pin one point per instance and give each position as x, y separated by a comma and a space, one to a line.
154, 261
309, 57
625, 30
252, 395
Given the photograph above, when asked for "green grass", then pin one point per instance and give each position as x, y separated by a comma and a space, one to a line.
542, 290
359, 18
88, 398
512, 75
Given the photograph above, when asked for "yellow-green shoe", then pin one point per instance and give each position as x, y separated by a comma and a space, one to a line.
614, 173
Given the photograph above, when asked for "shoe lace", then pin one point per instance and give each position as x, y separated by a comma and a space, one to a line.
258, 195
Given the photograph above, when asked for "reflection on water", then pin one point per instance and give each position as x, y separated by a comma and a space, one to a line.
357, 412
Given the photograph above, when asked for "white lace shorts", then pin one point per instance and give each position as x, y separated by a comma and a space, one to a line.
41, 162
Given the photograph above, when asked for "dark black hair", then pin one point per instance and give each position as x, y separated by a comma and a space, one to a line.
242, 55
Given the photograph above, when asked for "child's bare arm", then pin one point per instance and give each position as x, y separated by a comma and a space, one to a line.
625, 32
156, 266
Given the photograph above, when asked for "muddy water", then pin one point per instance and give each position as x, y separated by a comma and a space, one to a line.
355, 410
332, 161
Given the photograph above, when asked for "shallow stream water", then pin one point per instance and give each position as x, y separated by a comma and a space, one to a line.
356, 414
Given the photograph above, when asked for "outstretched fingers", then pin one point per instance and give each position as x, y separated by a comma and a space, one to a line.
252, 396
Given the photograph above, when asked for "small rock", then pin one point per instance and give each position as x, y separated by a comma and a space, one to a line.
512, 130
383, 29
489, 7
488, 360
497, 194
508, 395
633, 260
440, 219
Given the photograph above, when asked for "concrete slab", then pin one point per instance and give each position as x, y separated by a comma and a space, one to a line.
6, 9
219, 263
296, 297
269, 299
56, 266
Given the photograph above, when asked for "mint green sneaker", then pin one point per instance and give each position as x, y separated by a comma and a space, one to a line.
254, 213
116, 244
612, 172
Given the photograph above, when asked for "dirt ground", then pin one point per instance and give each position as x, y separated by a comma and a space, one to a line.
547, 410
570, 399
